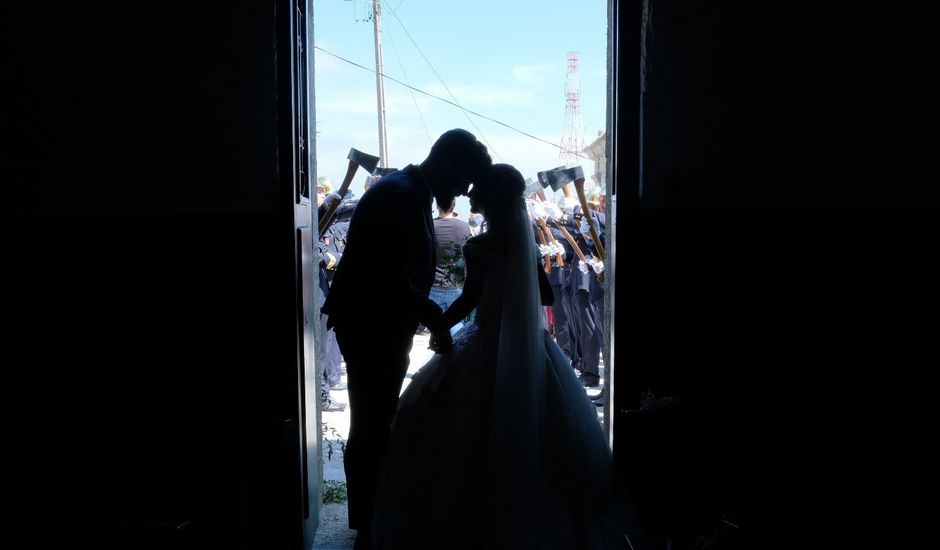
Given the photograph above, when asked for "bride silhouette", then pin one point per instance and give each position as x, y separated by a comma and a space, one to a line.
494, 443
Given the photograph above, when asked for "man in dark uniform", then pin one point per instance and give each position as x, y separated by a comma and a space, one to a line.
558, 277
380, 294
331, 248
590, 323
329, 251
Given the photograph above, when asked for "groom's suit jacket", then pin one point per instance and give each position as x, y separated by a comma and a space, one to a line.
388, 265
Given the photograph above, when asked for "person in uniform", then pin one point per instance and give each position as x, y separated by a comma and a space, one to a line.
587, 293
558, 279
330, 251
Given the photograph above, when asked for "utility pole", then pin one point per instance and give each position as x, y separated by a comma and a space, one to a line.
379, 85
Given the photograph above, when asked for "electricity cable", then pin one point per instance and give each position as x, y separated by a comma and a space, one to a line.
433, 70
445, 100
413, 98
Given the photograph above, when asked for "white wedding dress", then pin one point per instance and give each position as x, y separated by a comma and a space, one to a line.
496, 445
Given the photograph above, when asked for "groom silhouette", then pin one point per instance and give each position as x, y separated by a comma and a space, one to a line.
380, 294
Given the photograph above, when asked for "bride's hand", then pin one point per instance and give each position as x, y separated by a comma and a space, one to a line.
441, 342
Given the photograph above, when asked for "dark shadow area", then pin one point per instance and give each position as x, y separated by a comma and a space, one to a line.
150, 216
777, 290
776, 293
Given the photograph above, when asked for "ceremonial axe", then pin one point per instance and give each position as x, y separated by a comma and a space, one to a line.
532, 187
554, 179
559, 178
356, 159
532, 190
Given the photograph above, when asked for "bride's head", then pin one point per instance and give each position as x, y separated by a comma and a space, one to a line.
497, 193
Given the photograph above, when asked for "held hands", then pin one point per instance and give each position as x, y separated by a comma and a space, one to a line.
441, 341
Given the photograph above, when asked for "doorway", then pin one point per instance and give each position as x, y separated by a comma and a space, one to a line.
525, 108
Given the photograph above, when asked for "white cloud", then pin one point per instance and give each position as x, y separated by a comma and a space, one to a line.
364, 102
532, 75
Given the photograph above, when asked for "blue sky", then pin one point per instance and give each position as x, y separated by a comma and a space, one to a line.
503, 59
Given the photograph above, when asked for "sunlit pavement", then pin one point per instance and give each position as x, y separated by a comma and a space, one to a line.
333, 533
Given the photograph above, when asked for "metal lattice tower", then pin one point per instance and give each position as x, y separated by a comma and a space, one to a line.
572, 136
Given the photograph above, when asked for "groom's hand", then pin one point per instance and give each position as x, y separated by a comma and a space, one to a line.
441, 341
432, 316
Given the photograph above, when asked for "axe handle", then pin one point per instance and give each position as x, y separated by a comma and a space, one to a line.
577, 249
327, 219
582, 198
559, 259
571, 241
565, 190
548, 258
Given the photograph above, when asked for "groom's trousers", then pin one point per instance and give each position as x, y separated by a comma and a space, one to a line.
376, 364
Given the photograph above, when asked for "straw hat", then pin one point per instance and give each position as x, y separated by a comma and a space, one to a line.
325, 183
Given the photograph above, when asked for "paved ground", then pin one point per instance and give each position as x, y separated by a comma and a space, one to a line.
333, 533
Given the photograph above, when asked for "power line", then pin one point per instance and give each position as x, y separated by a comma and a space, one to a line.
428, 61
413, 98
513, 128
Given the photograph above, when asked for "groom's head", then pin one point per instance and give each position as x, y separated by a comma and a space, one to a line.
455, 161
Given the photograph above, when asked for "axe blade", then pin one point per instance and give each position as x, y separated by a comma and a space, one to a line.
559, 177
364, 160
532, 187
544, 180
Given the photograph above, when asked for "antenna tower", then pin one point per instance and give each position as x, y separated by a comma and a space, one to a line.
572, 136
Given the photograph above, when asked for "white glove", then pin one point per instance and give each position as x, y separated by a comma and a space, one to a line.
583, 267
538, 211
568, 202
561, 250
584, 228
529, 207
545, 250
331, 198
597, 265
553, 211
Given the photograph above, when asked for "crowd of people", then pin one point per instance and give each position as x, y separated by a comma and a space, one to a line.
512, 299
576, 319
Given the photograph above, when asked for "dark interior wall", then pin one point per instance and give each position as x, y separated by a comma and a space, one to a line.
163, 107
778, 274
154, 305
790, 104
